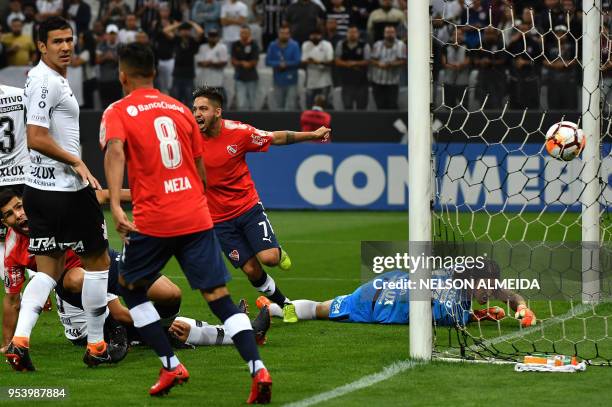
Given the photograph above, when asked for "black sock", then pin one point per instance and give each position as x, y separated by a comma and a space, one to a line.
276, 296
152, 334
244, 339
246, 345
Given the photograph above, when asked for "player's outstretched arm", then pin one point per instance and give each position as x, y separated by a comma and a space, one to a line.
114, 164
519, 305
40, 140
283, 137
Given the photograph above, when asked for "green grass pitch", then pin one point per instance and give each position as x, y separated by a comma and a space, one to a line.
307, 358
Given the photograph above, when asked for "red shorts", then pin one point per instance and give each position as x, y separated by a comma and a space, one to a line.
14, 277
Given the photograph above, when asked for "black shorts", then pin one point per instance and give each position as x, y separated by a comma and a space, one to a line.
61, 220
18, 188
198, 254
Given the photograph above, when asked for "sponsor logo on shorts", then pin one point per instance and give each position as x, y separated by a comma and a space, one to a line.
335, 307
42, 243
234, 255
232, 149
42, 104
75, 246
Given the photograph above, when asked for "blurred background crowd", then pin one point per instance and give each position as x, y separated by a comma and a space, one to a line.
287, 54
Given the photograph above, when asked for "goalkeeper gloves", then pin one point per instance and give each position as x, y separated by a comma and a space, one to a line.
527, 317
489, 314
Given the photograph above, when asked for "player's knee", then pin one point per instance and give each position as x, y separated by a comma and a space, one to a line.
214, 293
174, 295
12, 300
269, 258
252, 268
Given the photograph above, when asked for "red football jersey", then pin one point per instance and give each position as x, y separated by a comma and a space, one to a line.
17, 260
161, 140
231, 190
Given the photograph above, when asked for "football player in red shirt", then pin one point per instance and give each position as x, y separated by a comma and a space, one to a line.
160, 142
242, 226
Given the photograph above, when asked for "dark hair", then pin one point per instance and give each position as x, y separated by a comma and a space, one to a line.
139, 58
6, 195
51, 24
209, 93
185, 26
16, 19
490, 270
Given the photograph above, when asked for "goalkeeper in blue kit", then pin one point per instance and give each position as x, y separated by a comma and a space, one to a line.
385, 300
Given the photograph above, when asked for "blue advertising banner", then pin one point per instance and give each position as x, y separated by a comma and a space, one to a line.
374, 176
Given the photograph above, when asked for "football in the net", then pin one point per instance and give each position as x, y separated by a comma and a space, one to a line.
565, 141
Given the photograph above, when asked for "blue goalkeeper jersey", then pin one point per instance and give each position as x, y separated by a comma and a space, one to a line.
375, 302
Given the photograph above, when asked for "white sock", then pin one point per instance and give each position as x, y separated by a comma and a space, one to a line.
93, 297
202, 334
169, 363
276, 310
268, 287
34, 297
254, 366
305, 309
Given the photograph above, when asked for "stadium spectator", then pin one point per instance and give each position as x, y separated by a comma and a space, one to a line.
491, 65
341, 15
79, 12
29, 10
142, 38
456, 64
48, 8
303, 17
381, 18
331, 32
107, 61
284, 57
388, 59
186, 46
15, 11
19, 47
352, 60
128, 33
318, 57
98, 30
87, 53
316, 117
211, 59
271, 12
524, 78
147, 12
551, 13
114, 12
207, 13
475, 16
164, 50
2, 53
245, 55
360, 13
560, 63
233, 16
575, 19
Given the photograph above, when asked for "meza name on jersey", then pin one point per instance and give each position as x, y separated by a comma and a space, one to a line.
177, 184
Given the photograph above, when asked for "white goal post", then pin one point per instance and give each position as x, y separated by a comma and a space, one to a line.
420, 141
419, 166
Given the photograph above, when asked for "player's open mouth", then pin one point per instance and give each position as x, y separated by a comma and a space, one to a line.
23, 224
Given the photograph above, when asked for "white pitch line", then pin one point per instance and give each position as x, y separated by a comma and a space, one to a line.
182, 277
366, 381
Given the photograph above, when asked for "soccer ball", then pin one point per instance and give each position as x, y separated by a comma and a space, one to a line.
565, 141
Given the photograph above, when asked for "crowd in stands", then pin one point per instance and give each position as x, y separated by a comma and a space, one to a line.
525, 56
282, 54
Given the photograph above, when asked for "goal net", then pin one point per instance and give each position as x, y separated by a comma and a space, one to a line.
501, 77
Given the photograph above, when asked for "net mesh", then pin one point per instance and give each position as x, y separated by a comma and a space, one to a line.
502, 77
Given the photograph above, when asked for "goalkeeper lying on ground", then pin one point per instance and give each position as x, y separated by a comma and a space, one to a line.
371, 303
